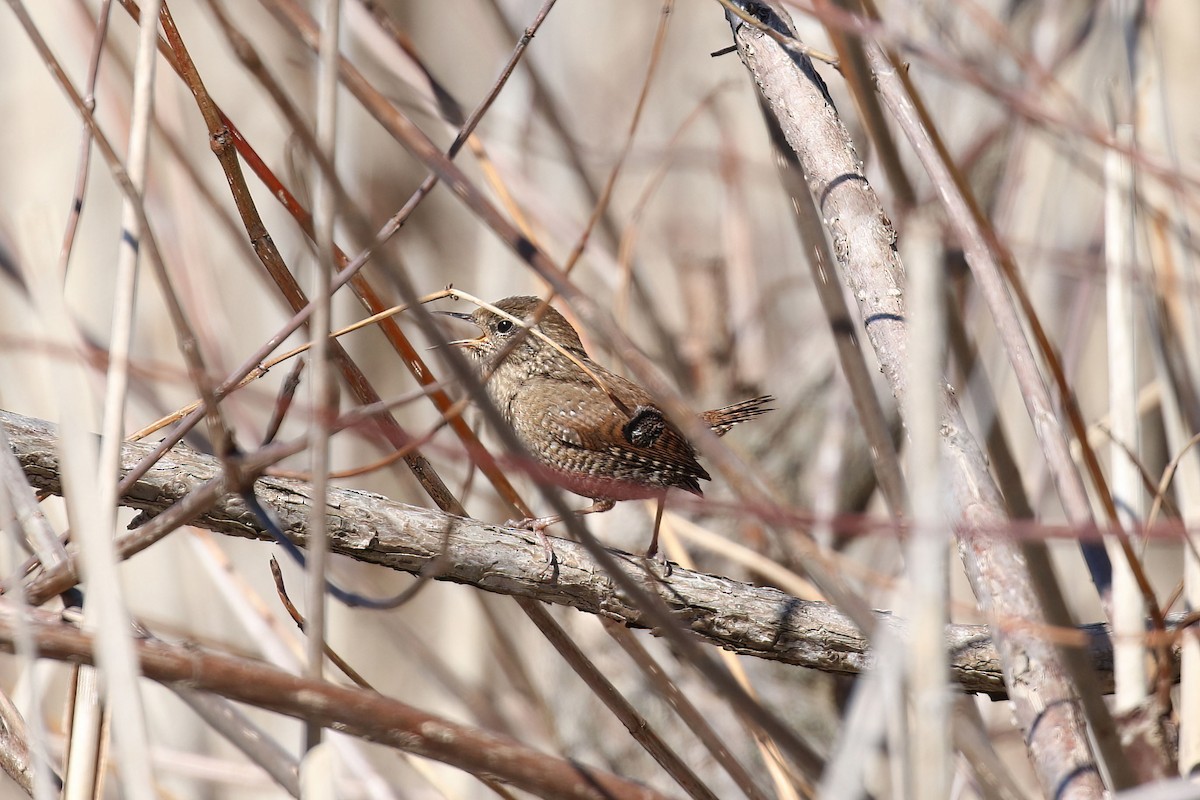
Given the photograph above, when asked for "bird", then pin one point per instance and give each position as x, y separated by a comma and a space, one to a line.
590, 430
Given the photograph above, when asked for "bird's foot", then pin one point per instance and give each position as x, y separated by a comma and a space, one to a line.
658, 557
538, 526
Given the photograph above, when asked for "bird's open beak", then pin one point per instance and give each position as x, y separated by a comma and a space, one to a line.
465, 318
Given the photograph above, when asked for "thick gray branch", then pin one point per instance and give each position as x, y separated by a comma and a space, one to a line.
752, 620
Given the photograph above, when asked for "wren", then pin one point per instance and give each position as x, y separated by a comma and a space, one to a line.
591, 431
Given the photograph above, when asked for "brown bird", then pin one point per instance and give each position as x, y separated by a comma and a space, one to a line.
593, 432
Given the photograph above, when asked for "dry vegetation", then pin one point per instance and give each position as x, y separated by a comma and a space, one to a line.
971, 290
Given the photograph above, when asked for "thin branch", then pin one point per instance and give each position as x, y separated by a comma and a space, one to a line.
687, 711
354, 711
323, 390
637, 725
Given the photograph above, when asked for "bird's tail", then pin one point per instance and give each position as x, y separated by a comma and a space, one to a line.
722, 419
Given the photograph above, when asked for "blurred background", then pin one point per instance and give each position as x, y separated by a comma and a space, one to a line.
696, 256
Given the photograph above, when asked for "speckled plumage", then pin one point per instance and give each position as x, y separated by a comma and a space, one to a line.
607, 445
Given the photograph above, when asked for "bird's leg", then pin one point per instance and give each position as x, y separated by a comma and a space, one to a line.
538, 525
652, 550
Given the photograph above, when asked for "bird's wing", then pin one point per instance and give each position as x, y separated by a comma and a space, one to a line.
640, 444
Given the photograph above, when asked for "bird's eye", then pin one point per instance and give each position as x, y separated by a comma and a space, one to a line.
504, 326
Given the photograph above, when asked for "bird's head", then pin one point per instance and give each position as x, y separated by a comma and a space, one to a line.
498, 332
